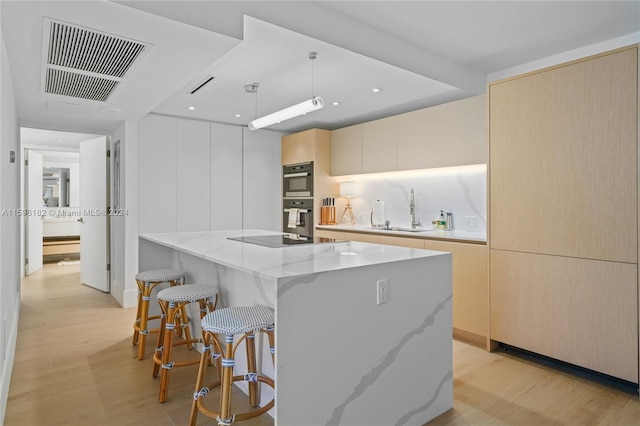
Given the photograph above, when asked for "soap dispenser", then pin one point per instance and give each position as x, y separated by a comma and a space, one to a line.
442, 223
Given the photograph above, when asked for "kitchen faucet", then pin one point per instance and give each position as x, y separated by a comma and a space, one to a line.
412, 211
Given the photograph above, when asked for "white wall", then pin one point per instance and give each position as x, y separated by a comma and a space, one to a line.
9, 226
571, 55
124, 228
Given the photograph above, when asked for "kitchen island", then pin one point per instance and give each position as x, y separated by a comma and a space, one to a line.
341, 357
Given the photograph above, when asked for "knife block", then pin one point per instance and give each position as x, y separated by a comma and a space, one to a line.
327, 215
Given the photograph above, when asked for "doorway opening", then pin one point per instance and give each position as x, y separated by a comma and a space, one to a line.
66, 203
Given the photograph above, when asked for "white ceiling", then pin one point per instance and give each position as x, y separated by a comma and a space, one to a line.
421, 52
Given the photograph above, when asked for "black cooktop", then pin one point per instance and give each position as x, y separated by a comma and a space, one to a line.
282, 240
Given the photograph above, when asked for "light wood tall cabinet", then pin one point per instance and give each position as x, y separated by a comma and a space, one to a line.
312, 145
563, 232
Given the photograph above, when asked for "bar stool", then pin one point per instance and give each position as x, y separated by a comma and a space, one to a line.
243, 320
173, 301
147, 281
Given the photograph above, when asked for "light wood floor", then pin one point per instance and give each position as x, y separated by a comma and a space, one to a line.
75, 365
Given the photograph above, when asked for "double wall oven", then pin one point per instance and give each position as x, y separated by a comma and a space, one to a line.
297, 190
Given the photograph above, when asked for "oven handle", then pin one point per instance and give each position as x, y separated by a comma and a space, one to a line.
300, 210
300, 174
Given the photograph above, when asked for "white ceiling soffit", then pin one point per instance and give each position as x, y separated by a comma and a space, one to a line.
84, 63
277, 58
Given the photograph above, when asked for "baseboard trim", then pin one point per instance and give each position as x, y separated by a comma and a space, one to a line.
471, 338
7, 367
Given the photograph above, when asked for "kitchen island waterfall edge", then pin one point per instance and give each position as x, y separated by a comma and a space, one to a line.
341, 358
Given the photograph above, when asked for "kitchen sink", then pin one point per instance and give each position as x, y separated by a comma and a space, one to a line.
396, 228
411, 229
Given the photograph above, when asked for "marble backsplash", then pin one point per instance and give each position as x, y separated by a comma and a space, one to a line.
460, 190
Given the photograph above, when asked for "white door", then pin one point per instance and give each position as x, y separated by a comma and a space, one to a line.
35, 203
94, 218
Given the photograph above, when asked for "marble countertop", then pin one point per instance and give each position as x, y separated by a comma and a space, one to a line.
282, 261
437, 234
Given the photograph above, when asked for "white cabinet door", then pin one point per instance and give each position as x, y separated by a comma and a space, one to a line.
262, 182
157, 176
194, 175
226, 177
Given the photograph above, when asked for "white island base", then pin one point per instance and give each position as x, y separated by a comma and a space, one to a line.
341, 358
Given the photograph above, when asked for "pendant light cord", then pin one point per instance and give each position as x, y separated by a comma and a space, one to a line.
312, 57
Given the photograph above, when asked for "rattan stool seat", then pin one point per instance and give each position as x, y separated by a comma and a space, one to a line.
188, 293
160, 275
238, 319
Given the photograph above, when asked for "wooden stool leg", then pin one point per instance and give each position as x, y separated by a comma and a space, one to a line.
136, 324
157, 355
167, 364
251, 369
227, 379
182, 325
204, 360
144, 314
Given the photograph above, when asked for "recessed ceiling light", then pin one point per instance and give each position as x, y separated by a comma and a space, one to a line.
191, 108
377, 90
237, 115
336, 103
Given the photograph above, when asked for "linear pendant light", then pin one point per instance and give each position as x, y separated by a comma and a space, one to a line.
313, 104
285, 114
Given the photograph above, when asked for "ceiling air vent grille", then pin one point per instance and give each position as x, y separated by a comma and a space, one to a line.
83, 86
85, 63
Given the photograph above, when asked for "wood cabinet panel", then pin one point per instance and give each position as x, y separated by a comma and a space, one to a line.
323, 233
298, 147
470, 304
403, 242
581, 311
193, 175
563, 160
451, 134
346, 151
364, 238
379, 145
